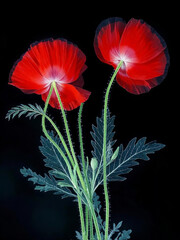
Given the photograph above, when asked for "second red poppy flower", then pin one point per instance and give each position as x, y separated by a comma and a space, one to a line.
143, 52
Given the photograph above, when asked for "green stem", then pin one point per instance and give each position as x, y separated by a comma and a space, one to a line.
91, 228
81, 138
62, 139
63, 155
95, 221
47, 135
65, 121
83, 230
76, 163
87, 212
104, 148
69, 136
87, 221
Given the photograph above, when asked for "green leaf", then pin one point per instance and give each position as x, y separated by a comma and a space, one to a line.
46, 183
124, 235
29, 111
97, 144
78, 236
97, 135
127, 158
54, 160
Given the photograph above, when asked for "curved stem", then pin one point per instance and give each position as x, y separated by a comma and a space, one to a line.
76, 163
69, 136
63, 155
104, 148
61, 138
47, 135
65, 121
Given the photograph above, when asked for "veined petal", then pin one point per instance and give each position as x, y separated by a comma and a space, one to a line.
79, 82
136, 86
71, 96
47, 61
151, 69
107, 39
140, 43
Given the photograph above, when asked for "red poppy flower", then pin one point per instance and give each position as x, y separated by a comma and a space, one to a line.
143, 51
48, 61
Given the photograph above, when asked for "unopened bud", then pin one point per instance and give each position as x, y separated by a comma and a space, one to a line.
94, 163
115, 154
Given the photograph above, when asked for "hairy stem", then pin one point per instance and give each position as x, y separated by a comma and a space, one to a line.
69, 136
47, 135
91, 228
87, 213
104, 148
63, 155
76, 163
61, 138
89, 220
83, 230
81, 138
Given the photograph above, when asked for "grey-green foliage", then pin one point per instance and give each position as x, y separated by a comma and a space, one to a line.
120, 161
46, 183
29, 111
127, 158
54, 160
115, 233
58, 179
97, 135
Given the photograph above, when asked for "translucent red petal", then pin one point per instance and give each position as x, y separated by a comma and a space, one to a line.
140, 43
107, 39
136, 86
71, 96
47, 60
151, 69
142, 49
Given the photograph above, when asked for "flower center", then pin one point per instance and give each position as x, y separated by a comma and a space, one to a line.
126, 54
54, 74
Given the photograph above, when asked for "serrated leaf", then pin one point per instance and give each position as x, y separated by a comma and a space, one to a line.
78, 236
54, 160
128, 157
124, 235
29, 111
97, 135
46, 183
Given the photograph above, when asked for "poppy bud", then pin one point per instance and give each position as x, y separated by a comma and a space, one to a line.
115, 154
94, 164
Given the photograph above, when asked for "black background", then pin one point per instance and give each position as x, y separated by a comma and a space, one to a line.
147, 201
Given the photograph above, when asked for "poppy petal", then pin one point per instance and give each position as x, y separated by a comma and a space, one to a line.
45, 62
71, 96
26, 76
59, 59
136, 86
107, 39
79, 82
140, 43
151, 69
